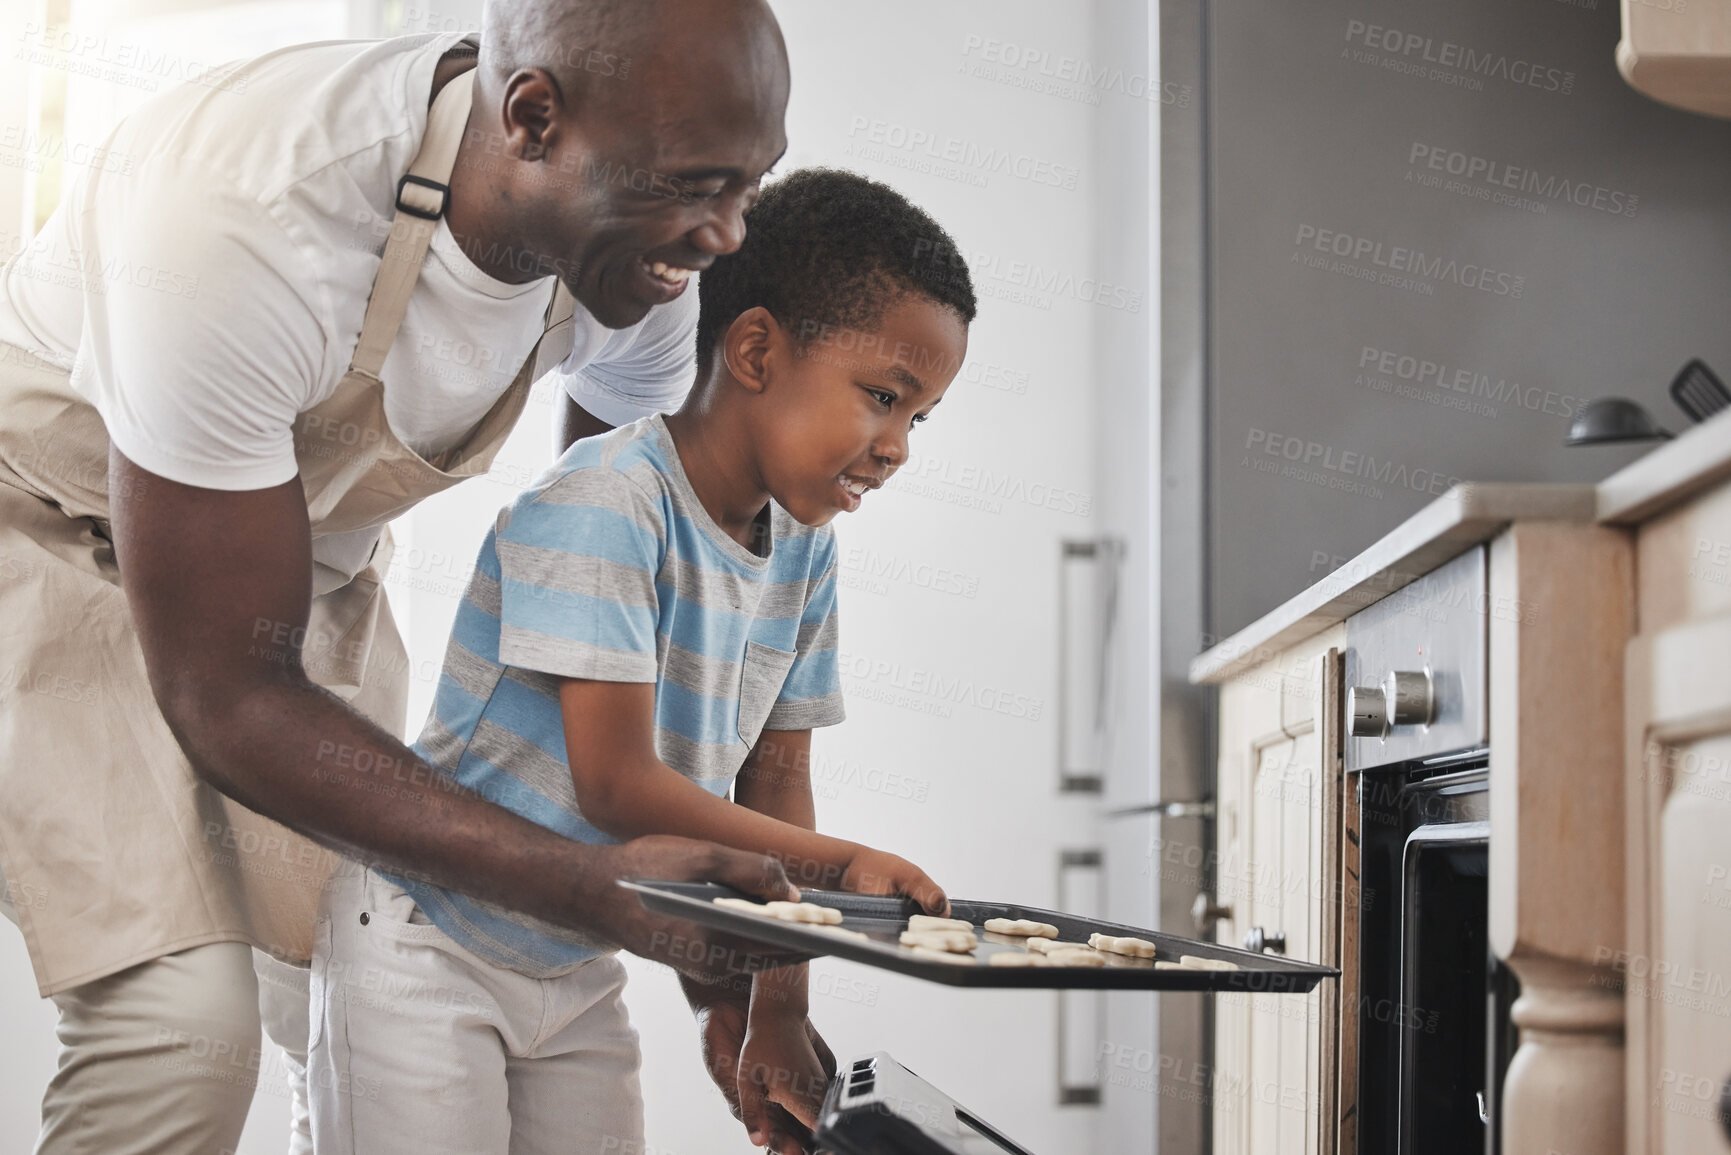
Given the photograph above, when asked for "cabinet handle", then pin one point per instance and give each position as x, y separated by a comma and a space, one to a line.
1088, 580
1205, 912
1081, 1013
1261, 941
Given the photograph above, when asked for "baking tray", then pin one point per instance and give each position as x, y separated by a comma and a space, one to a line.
883, 920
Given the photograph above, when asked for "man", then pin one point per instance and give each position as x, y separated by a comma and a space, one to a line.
204, 429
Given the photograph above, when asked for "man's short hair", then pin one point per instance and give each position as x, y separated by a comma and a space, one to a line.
830, 248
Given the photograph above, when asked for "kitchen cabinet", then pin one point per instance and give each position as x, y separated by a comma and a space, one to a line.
1279, 806
1675, 969
1607, 617
1678, 53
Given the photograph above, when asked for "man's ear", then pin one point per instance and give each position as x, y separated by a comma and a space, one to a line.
530, 112
753, 345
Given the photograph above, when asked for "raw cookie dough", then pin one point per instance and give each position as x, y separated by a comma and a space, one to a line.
960, 941
1163, 965
1196, 962
1048, 945
842, 932
1076, 957
1136, 947
1016, 958
933, 922
785, 911
1025, 927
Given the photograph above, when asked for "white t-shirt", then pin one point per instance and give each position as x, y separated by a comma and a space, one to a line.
227, 246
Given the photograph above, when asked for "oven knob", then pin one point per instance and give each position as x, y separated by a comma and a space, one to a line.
1410, 698
1365, 715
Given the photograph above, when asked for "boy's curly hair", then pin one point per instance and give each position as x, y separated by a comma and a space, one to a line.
824, 247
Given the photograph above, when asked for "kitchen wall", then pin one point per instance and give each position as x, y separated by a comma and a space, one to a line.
1026, 129
1434, 231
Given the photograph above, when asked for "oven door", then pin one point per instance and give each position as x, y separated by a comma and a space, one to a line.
1445, 959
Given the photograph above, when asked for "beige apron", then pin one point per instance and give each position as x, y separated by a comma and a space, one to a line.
112, 851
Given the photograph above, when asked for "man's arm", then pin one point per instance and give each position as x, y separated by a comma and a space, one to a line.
572, 423
201, 569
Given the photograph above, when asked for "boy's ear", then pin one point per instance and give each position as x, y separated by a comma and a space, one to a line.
750, 347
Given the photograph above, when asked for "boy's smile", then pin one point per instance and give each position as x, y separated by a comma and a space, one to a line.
815, 426
833, 424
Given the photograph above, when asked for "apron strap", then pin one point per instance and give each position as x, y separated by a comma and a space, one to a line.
423, 195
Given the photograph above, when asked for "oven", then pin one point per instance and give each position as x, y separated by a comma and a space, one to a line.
1434, 1036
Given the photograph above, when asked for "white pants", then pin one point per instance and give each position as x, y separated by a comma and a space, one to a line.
164, 1056
419, 1045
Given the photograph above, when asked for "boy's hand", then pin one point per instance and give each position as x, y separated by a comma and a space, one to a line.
875, 872
781, 1066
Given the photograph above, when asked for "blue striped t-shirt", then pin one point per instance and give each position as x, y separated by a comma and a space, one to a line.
609, 568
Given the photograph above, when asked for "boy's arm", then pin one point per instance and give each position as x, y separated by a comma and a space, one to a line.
624, 789
776, 781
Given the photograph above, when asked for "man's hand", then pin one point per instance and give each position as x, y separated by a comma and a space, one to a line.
875, 872
704, 954
779, 1067
723, 1016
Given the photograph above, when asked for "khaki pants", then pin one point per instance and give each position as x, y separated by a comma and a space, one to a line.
163, 1057
420, 1045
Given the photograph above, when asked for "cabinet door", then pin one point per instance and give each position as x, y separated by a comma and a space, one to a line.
1676, 972
1279, 816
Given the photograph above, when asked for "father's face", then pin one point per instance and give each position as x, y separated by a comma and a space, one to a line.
648, 177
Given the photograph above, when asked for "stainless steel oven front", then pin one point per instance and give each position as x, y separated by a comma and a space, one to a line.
1434, 1033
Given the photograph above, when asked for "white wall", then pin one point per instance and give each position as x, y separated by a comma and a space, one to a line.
1003, 472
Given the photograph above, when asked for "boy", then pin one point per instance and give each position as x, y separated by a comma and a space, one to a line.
652, 624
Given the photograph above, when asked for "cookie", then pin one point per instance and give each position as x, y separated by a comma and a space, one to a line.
785, 911
1016, 958
1135, 947
1025, 927
959, 941
1076, 958
1196, 962
1048, 945
933, 922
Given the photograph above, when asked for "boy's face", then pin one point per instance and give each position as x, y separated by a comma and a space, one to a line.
834, 418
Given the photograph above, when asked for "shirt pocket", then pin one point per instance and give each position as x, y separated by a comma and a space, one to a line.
761, 675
